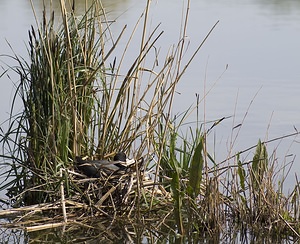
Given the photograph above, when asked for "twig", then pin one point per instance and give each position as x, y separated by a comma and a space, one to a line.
43, 227
63, 202
130, 184
37, 207
293, 230
106, 195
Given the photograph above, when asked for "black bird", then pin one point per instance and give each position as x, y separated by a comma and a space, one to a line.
92, 168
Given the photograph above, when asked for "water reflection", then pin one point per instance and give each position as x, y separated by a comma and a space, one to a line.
275, 7
278, 7
103, 231
111, 7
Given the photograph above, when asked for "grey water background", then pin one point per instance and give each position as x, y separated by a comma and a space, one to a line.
256, 43
251, 61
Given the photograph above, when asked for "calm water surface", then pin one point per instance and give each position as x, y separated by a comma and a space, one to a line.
257, 39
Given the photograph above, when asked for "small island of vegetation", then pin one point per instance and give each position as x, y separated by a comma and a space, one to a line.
79, 107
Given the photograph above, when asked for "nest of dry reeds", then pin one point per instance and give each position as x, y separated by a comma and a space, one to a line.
112, 189
113, 195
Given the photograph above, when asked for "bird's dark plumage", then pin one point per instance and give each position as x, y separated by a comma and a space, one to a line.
93, 168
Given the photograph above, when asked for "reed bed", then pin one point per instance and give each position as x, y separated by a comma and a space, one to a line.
78, 102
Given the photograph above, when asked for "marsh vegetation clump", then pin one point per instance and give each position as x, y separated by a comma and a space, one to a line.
80, 105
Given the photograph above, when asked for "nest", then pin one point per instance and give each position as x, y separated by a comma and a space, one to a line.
114, 193
114, 190
113, 186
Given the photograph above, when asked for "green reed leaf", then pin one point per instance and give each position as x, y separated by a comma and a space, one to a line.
241, 172
195, 170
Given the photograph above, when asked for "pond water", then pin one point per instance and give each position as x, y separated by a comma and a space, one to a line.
251, 60
258, 41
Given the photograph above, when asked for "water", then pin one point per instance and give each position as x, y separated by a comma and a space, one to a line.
258, 40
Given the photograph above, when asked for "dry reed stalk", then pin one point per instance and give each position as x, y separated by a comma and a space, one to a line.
106, 195
63, 201
44, 227
37, 208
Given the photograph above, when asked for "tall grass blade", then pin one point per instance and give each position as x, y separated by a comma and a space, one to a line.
175, 184
241, 172
259, 165
195, 171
